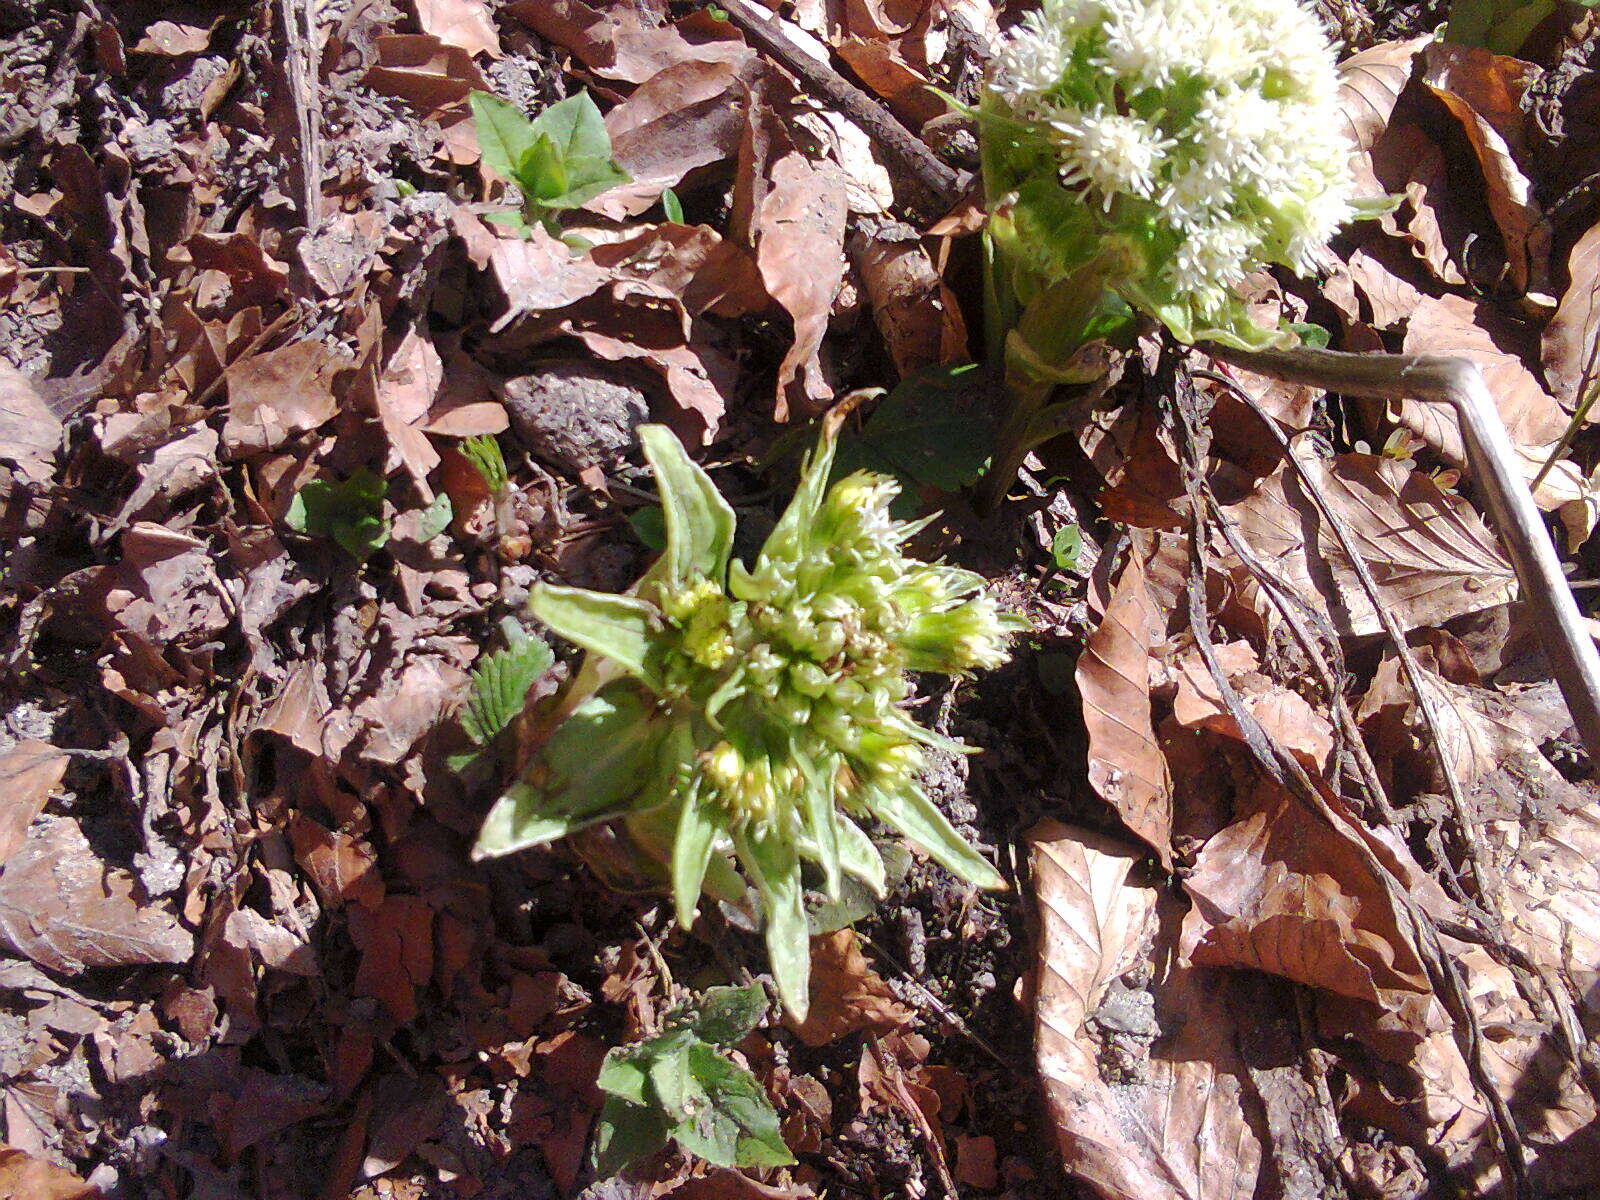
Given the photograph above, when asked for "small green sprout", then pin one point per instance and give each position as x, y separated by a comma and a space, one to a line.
500, 683
350, 511
483, 451
559, 160
682, 1085
758, 712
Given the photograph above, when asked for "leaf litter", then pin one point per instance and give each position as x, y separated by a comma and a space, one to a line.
264, 667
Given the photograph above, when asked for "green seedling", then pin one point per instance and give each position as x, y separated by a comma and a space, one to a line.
683, 1085
500, 683
483, 451
755, 714
559, 160
349, 511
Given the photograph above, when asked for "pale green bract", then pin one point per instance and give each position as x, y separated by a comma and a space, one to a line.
1165, 147
754, 715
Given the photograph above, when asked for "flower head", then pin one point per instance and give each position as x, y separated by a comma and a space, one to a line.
757, 712
1204, 134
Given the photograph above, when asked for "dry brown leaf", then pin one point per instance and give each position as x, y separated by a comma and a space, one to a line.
1571, 345
1280, 892
1472, 330
798, 235
685, 117
882, 66
29, 772
24, 1177
1428, 552
1180, 1131
616, 43
915, 312
1285, 715
279, 393
423, 71
1370, 84
847, 995
1410, 163
29, 430
1487, 92
1477, 730
1126, 765
1392, 297
62, 907
396, 944
465, 24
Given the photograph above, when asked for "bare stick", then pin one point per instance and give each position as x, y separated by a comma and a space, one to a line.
1493, 461
942, 185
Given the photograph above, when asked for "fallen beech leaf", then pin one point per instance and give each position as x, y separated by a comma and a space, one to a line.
61, 907
279, 393
1429, 553
29, 772
915, 312
465, 24
343, 868
1571, 345
847, 995
396, 944
1280, 892
798, 234
687, 116
882, 66
1178, 1128
423, 71
29, 430
1392, 297
1473, 330
1283, 714
24, 1177
1370, 84
1126, 765
616, 43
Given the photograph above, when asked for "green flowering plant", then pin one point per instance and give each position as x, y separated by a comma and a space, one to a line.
755, 715
1145, 155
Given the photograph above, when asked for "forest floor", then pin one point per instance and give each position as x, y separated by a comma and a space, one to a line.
244, 951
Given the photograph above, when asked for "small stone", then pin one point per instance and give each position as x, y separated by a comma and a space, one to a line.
576, 415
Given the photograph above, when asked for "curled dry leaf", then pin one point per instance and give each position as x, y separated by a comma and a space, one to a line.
24, 1177
274, 395
1281, 892
29, 430
1126, 765
915, 312
1175, 1126
465, 24
61, 907
847, 995
1571, 346
1285, 715
1429, 553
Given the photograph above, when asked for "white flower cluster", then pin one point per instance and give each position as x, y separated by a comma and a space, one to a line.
1216, 119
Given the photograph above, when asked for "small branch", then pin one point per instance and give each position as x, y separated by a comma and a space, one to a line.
941, 185
1493, 461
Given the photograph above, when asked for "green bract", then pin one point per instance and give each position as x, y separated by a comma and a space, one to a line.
757, 713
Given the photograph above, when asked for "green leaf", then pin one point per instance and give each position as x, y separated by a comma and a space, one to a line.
504, 134
500, 683
820, 814
621, 628
594, 767
672, 207
1067, 546
542, 172
727, 1014
625, 1133
435, 518
738, 1127
1314, 336
691, 852
650, 526
625, 1073
350, 512
913, 815
511, 220
699, 521
773, 866
859, 857
671, 1083
936, 429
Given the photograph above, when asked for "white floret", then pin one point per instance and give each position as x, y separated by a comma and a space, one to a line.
1110, 152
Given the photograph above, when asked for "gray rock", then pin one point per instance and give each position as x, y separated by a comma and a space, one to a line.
575, 415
